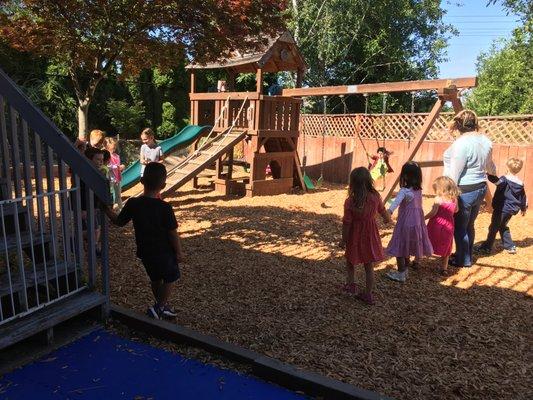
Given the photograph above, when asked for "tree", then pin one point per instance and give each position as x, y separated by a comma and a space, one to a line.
505, 80
168, 125
92, 38
126, 119
357, 41
505, 77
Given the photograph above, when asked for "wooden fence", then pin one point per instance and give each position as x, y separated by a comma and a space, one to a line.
509, 130
342, 150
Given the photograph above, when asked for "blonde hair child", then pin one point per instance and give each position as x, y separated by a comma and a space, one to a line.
441, 219
150, 150
509, 199
115, 168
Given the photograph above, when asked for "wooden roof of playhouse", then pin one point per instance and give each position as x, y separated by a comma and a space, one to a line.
279, 54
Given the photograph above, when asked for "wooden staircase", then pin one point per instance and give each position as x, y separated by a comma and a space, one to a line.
203, 158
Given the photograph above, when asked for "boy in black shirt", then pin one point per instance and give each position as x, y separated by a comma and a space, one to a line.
508, 200
156, 236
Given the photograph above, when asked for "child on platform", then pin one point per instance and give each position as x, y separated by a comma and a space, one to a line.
116, 169
410, 236
441, 219
360, 235
509, 199
150, 150
156, 236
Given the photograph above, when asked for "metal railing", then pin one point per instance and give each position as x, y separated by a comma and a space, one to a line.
50, 229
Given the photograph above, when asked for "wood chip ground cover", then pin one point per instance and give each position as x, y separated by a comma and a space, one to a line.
263, 273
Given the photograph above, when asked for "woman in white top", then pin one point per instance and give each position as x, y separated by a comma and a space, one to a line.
467, 162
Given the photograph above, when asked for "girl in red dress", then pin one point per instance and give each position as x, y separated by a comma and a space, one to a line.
360, 234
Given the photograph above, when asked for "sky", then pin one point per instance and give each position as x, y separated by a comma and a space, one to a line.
478, 27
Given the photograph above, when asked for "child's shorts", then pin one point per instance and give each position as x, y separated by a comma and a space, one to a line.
162, 267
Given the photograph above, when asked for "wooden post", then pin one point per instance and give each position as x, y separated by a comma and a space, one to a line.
299, 78
428, 123
231, 80
193, 81
230, 164
259, 80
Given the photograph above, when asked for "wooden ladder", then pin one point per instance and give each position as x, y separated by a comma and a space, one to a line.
202, 159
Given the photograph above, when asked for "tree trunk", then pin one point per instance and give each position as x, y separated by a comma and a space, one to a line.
83, 120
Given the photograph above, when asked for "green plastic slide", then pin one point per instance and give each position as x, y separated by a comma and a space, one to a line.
181, 140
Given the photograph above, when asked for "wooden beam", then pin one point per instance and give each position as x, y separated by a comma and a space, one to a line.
259, 80
388, 87
224, 96
193, 82
428, 123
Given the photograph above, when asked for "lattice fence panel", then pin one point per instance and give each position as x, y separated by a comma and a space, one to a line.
505, 130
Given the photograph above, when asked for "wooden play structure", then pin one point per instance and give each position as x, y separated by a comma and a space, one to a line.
268, 124
446, 89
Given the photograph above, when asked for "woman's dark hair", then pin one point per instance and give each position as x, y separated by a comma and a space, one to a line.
382, 149
411, 176
154, 176
361, 184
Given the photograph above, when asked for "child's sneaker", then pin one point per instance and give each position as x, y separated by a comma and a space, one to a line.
167, 312
152, 312
512, 250
349, 288
367, 298
397, 276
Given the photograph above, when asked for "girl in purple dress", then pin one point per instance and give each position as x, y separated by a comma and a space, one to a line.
410, 236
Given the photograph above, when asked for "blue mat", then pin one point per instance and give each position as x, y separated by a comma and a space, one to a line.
105, 366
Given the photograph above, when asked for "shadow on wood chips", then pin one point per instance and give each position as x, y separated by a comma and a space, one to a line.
263, 273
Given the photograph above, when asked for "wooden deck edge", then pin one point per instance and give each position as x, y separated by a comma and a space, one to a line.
264, 367
47, 317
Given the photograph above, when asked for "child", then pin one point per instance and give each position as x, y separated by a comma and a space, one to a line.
441, 219
380, 165
360, 235
116, 169
509, 198
156, 236
96, 156
96, 139
150, 151
410, 236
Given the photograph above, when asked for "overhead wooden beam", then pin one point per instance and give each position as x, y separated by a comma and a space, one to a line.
428, 123
388, 87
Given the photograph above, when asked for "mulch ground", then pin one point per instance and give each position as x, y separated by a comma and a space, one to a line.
263, 273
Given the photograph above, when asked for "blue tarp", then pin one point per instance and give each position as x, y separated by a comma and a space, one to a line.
105, 366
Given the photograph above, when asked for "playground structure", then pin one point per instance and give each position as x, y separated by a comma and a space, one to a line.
269, 123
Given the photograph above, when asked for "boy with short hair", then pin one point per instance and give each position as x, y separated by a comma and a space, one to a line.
508, 200
156, 236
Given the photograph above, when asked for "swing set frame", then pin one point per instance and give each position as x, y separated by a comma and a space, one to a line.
447, 90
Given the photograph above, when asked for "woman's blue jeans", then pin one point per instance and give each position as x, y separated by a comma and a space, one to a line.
464, 232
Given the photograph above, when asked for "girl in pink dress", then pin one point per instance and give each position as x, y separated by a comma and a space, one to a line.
360, 235
410, 236
441, 219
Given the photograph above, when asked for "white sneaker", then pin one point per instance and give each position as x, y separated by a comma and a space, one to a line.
397, 276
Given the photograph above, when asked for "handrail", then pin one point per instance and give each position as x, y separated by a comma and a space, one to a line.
49, 132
